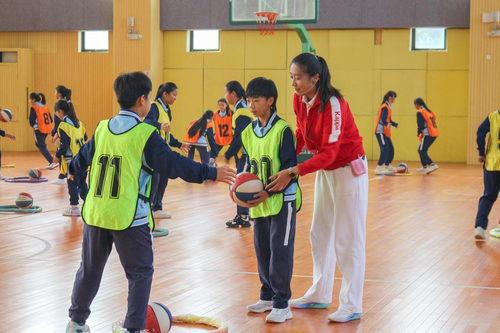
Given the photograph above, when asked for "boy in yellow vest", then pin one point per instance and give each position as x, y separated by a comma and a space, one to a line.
270, 145
491, 169
122, 155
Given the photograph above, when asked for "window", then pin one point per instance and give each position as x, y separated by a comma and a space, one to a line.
428, 39
203, 41
94, 41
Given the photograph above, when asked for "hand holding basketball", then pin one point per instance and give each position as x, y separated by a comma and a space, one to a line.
259, 198
225, 174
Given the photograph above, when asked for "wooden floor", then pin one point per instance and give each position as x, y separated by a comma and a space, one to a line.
424, 272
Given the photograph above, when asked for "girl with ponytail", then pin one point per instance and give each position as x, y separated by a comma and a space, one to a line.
383, 133
235, 95
427, 132
72, 136
61, 93
160, 116
326, 127
41, 121
200, 135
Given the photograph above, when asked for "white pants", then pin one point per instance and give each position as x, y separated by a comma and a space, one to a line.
338, 234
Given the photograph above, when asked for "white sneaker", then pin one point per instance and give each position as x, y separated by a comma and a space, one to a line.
390, 168
59, 181
479, 234
381, 169
161, 214
2, 177
74, 327
431, 168
304, 303
261, 306
279, 315
72, 211
342, 316
52, 165
118, 328
422, 170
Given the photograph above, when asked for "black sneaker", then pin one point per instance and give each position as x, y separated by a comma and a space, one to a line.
239, 221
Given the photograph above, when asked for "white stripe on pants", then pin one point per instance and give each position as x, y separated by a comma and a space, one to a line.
338, 234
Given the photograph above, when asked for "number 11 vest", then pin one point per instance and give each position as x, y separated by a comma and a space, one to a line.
114, 177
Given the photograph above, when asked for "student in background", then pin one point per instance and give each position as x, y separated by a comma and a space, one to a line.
491, 169
427, 132
72, 136
5, 135
41, 121
383, 133
223, 124
160, 117
61, 93
235, 95
200, 135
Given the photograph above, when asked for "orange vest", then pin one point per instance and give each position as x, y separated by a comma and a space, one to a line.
223, 128
430, 120
43, 119
195, 138
387, 130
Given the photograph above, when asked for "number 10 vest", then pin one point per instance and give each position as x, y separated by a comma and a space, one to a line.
114, 177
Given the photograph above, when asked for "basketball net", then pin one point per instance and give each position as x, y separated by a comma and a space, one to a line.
266, 22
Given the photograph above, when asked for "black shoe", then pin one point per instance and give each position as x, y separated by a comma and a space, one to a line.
239, 221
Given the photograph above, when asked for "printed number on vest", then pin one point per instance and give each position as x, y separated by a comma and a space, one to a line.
433, 121
46, 118
262, 169
223, 130
80, 142
105, 161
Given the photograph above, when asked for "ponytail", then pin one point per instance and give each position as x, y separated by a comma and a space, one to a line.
420, 101
201, 124
38, 97
237, 88
65, 92
390, 93
69, 110
312, 65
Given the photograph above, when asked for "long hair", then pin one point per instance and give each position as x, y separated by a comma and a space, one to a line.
201, 124
65, 92
237, 88
262, 87
69, 110
390, 93
38, 97
312, 65
167, 87
420, 101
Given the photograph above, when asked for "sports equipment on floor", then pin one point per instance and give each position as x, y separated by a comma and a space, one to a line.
24, 200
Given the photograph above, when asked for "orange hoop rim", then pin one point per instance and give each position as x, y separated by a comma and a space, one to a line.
266, 26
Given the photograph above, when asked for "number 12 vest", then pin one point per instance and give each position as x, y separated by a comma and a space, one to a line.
114, 177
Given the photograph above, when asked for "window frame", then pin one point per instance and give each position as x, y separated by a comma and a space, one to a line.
191, 42
82, 43
413, 33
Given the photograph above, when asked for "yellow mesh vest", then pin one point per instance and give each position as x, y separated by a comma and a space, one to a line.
77, 137
114, 177
492, 162
163, 118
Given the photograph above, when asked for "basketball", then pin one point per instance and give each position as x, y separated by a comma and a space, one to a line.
24, 200
5, 116
246, 186
35, 173
402, 168
159, 319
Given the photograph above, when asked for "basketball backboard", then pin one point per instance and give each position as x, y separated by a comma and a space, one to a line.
290, 11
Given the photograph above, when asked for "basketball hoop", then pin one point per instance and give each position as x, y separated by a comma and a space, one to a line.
266, 22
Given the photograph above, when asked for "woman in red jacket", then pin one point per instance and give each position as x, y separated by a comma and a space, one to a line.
326, 127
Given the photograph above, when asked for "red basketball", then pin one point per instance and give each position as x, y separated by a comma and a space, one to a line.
159, 318
24, 200
244, 189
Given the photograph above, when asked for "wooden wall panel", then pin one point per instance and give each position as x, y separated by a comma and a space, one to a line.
484, 73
